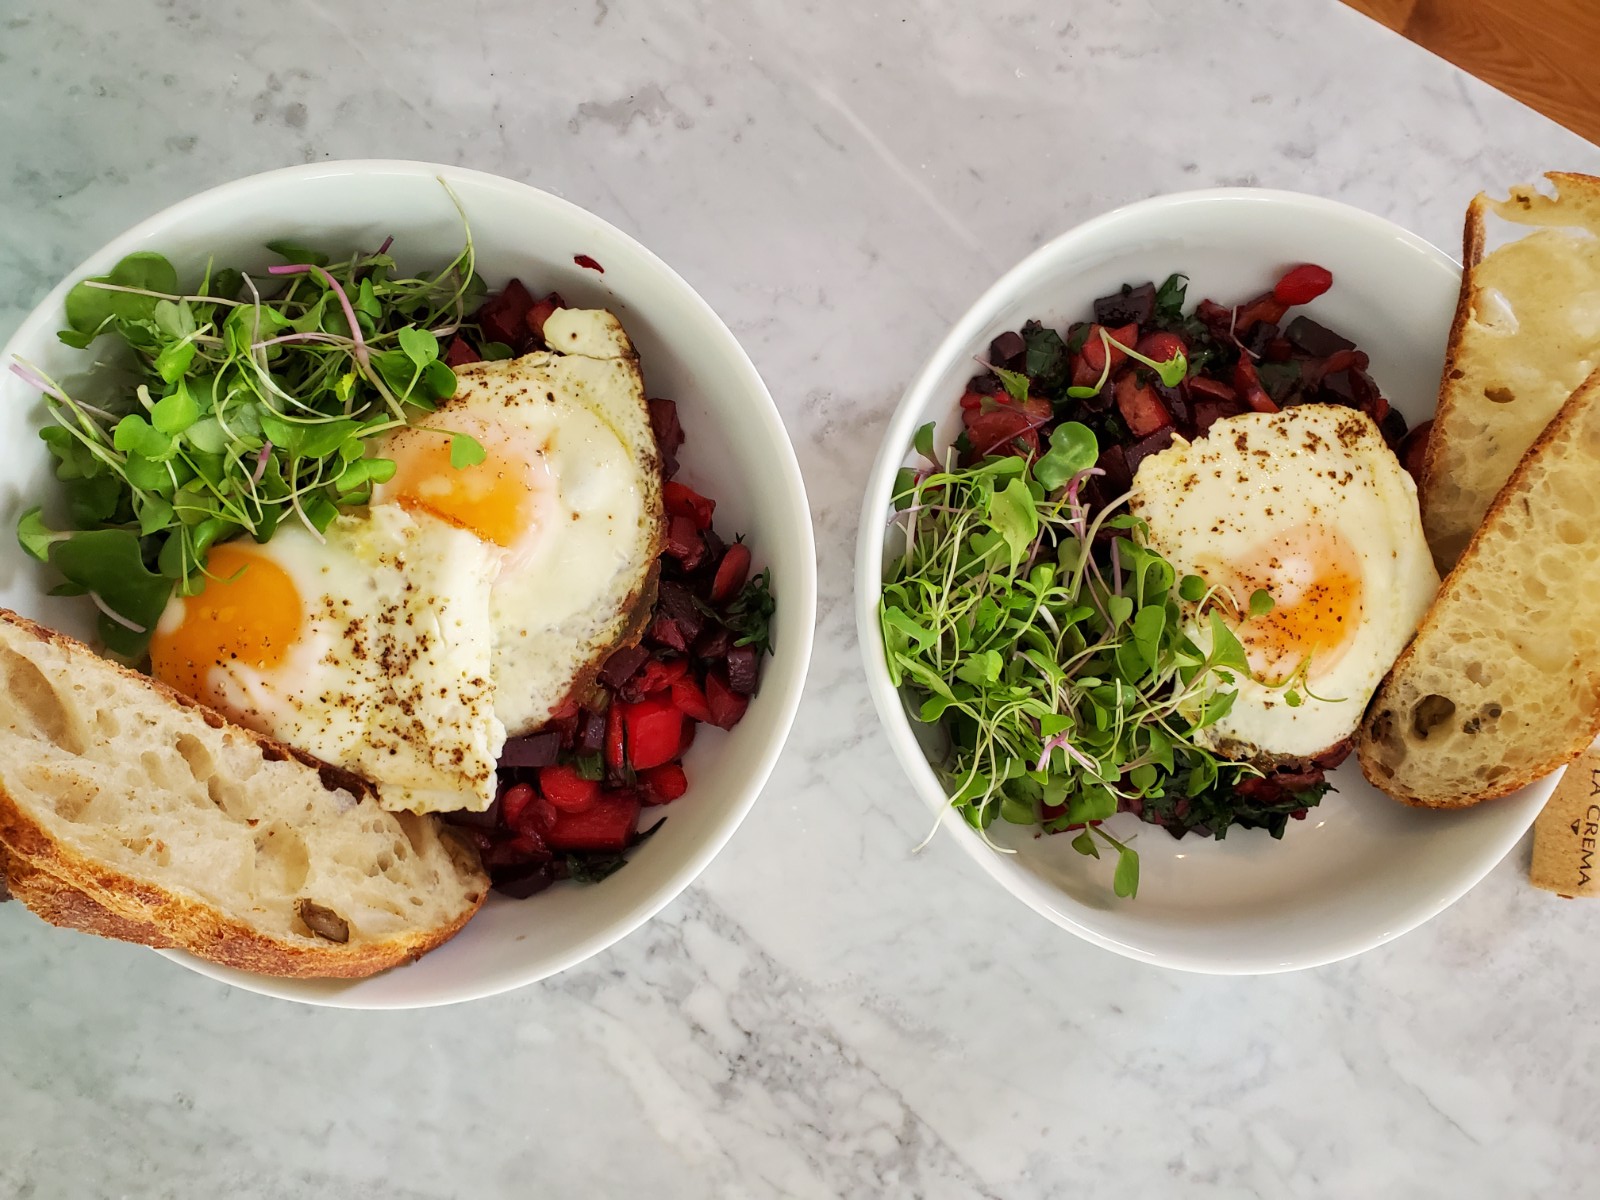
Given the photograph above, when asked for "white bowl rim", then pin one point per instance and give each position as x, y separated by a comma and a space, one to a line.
886, 699
800, 596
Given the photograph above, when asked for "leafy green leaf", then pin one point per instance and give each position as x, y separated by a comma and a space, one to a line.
466, 451
1261, 602
1014, 515
297, 253
1226, 650
1015, 383
980, 669
1073, 448
1125, 881
1192, 588
923, 442
35, 536
173, 414
420, 346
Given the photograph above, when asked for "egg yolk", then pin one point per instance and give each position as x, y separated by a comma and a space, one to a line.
248, 613
497, 500
1314, 577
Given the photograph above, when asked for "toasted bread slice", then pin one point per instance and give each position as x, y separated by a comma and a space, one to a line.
129, 811
1501, 684
1526, 333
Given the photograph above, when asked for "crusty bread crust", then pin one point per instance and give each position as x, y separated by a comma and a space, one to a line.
1507, 754
1472, 242
69, 888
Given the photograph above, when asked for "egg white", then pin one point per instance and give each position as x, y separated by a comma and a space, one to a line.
1280, 501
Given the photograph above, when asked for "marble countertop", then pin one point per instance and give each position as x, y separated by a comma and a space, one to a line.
840, 181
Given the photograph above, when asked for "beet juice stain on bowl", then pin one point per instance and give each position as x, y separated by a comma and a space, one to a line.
587, 263
571, 795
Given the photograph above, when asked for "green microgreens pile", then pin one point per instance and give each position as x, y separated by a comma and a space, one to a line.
242, 410
1063, 676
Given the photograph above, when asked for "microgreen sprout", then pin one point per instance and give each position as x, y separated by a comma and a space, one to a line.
251, 400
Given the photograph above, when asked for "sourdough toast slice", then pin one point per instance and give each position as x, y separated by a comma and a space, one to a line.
1501, 684
1526, 333
130, 811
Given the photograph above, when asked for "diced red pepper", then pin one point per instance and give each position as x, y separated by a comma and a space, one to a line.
657, 676
684, 542
655, 731
566, 789
1266, 308
683, 501
972, 401
690, 700
1248, 384
1003, 431
514, 802
664, 784
540, 313
726, 705
732, 571
460, 353
1094, 350
1139, 405
1160, 346
615, 737
607, 824
1303, 284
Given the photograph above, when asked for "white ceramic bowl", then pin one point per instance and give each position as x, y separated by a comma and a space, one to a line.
737, 452
1361, 869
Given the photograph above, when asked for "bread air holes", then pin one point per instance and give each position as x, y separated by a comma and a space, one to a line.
1571, 532
34, 705
282, 862
1429, 713
1498, 393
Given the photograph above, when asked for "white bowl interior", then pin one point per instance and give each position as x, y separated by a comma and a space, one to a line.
1361, 869
737, 452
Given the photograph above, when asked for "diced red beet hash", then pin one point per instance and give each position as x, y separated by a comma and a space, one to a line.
1248, 357
572, 794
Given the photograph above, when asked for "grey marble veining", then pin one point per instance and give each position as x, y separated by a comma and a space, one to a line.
840, 181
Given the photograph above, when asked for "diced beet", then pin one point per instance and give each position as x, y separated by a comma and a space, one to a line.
1006, 349
1118, 475
1176, 401
1215, 317
521, 882
1414, 449
732, 571
1003, 431
621, 665
1338, 388
676, 607
663, 784
489, 818
1392, 425
592, 733
531, 750
1207, 412
1260, 335
684, 501
566, 789
1315, 338
684, 542
460, 352
714, 544
504, 317
521, 847
1139, 405
608, 824
669, 633
1148, 445
655, 731
1204, 387
727, 706
742, 664
690, 701
713, 644
1303, 284
1129, 306
542, 312
669, 434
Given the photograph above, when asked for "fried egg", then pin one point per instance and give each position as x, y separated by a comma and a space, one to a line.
369, 648
1310, 505
569, 497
